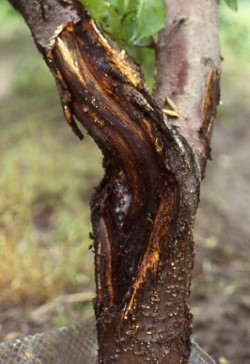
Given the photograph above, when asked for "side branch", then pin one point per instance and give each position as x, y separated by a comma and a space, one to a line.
188, 69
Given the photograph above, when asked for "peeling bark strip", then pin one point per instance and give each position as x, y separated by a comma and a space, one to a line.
143, 210
141, 227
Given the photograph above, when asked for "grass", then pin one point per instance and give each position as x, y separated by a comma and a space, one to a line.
47, 176
235, 50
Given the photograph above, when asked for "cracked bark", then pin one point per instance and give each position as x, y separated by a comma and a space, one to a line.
143, 210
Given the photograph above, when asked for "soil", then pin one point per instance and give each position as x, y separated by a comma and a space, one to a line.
220, 299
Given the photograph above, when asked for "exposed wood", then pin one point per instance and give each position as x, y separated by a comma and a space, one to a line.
143, 210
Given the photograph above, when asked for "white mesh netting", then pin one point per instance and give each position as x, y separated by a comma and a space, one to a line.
68, 345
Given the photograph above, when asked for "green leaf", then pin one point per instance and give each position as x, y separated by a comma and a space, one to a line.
111, 23
151, 17
95, 8
232, 4
131, 23
123, 7
129, 26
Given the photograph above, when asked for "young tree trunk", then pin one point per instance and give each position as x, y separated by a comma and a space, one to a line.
143, 210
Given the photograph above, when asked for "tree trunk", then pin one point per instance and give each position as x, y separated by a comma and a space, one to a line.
143, 210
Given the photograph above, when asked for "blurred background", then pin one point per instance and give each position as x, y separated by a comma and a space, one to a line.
47, 176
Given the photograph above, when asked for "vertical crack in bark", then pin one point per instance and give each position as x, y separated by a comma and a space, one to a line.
151, 257
143, 210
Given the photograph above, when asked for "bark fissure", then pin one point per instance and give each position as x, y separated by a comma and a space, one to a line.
143, 210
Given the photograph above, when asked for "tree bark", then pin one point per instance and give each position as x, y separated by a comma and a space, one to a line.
143, 210
188, 70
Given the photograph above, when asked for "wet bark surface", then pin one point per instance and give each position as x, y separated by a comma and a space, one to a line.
143, 210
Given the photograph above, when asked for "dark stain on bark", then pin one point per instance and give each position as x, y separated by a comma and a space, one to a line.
143, 210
